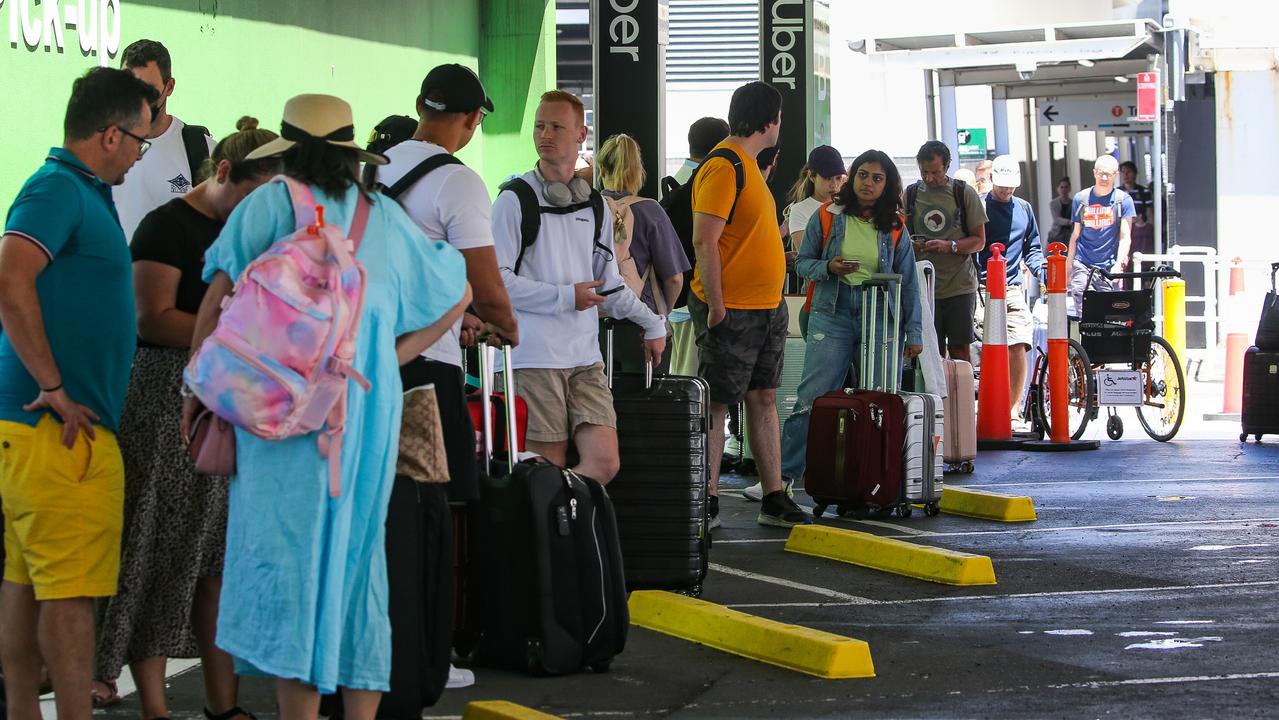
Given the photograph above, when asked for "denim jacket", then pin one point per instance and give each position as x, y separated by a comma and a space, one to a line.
813, 264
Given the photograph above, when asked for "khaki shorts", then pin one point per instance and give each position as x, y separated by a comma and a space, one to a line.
63, 510
561, 399
1021, 328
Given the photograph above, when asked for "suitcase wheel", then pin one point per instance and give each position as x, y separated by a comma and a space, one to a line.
819, 509
533, 657
1243, 437
932, 509
904, 510
601, 667
966, 467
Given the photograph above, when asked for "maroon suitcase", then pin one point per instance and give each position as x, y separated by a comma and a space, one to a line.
855, 437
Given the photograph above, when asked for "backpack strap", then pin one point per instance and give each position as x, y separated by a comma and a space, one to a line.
530, 215
739, 174
597, 210
195, 140
303, 201
958, 188
901, 227
827, 219
669, 185
912, 192
418, 172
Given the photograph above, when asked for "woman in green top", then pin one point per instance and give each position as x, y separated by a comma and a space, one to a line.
866, 236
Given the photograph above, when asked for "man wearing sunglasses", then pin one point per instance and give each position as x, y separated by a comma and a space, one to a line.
1102, 234
66, 350
172, 166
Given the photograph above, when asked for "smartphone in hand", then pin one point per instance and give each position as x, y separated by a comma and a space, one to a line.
609, 291
852, 265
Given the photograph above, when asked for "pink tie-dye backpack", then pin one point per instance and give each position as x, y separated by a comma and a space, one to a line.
278, 363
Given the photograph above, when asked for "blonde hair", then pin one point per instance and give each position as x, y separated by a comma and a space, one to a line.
620, 164
235, 147
804, 186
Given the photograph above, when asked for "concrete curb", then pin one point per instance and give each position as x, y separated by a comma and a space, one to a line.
987, 505
814, 652
895, 556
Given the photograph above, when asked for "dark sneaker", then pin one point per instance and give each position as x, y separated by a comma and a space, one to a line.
779, 510
714, 512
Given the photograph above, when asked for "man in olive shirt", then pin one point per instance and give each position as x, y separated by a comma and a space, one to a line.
947, 223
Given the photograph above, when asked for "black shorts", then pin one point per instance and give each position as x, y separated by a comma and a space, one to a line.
953, 318
455, 421
744, 352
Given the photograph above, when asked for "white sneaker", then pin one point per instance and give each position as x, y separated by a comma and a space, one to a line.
755, 492
459, 678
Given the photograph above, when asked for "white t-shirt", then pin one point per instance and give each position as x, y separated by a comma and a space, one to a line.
161, 175
451, 204
800, 213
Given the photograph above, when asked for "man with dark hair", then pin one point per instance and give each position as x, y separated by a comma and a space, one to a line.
736, 296
449, 202
66, 350
172, 167
703, 136
947, 222
1140, 194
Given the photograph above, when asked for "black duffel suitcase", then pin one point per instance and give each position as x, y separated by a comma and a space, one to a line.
1260, 394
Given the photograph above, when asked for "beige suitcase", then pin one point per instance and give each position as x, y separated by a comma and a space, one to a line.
960, 444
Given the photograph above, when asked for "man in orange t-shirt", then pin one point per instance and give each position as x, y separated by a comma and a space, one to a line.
736, 300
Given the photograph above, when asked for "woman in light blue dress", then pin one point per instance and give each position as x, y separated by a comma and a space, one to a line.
304, 589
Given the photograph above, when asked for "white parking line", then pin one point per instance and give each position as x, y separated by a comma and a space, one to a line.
1022, 596
1095, 684
845, 598
1119, 481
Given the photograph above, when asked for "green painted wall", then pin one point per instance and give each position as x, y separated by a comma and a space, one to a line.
246, 57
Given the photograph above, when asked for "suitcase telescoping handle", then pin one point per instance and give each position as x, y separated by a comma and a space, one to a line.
886, 357
486, 403
1274, 270
609, 324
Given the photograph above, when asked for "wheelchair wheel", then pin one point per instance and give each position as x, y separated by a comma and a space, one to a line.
1080, 390
1164, 404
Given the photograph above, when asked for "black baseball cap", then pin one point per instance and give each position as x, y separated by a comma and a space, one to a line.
457, 89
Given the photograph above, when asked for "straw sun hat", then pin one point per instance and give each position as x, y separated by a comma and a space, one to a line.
316, 117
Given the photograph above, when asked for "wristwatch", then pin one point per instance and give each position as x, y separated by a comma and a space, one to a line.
954, 247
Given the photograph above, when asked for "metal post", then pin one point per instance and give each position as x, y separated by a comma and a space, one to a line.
1044, 171
1157, 168
930, 103
999, 111
949, 118
1072, 158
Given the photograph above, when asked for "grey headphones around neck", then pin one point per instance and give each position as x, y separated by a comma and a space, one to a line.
560, 194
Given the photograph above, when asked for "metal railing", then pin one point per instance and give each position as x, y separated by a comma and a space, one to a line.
1186, 255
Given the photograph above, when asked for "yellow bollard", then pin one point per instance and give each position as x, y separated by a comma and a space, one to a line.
1174, 302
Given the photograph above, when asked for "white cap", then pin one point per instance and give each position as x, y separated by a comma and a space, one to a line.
1006, 172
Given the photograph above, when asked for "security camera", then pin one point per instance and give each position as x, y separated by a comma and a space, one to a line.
857, 45
1025, 70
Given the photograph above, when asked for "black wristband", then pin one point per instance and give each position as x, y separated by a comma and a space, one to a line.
55, 388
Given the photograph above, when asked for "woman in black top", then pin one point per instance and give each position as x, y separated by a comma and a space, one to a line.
174, 519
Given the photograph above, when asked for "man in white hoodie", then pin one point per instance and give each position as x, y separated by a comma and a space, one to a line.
554, 249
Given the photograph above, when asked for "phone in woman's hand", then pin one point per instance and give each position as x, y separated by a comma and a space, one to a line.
852, 265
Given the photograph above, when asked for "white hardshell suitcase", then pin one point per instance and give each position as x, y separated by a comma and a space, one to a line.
922, 465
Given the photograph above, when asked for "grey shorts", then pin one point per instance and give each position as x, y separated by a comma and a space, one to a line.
742, 353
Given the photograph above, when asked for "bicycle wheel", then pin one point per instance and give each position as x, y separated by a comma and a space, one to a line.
1164, 404
1080, 390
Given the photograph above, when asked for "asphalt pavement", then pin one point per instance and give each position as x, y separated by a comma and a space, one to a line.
1148, 587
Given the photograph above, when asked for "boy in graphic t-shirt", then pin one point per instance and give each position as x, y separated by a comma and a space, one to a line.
1102, 233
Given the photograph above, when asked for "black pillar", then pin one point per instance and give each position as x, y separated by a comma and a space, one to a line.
629, 38
785, 56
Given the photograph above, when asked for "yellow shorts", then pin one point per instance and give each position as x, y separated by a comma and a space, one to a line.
63, 510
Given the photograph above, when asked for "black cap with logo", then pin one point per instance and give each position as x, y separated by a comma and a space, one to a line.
454, 88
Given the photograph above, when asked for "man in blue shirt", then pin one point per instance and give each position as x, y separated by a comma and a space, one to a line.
1011, 222
66, 349
1102, 234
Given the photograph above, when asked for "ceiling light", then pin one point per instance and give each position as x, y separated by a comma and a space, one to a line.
1121, 78
1086, 63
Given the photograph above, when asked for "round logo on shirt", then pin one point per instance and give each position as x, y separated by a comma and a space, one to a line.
935, 221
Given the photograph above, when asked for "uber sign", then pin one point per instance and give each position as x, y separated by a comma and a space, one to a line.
629, 38
786, 52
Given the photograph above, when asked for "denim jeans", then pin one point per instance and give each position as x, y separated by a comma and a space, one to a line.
832, 348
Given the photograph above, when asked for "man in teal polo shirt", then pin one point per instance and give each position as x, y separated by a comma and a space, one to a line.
66, 349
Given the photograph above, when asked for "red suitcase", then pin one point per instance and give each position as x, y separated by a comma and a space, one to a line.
855, 437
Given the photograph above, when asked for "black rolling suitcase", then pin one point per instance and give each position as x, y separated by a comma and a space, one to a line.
660, 493
1260, 394
553, 594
